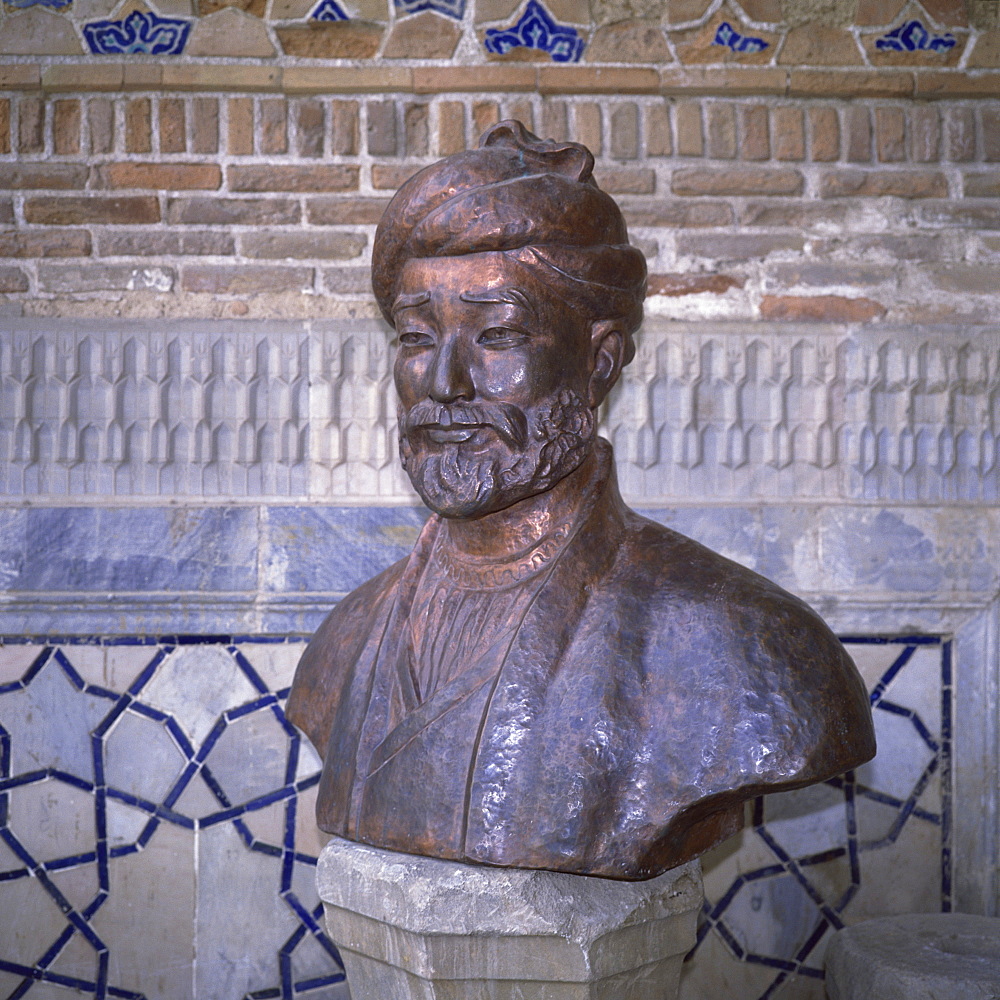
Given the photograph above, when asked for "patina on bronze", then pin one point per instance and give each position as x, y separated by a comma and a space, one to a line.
549, 680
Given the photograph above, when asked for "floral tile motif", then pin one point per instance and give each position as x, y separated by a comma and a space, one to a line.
140, 32
727, 35
912, 36
328, 10
450, 8
537, 30
52, 4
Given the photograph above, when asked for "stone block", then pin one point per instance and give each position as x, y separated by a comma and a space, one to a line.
229, 32
331, 40
423, 36
38, 32
138, 127
630, 42
293, 178
917, 956
424, 928
273, 126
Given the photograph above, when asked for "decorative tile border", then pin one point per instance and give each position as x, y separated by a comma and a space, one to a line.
912, 36
328, 10
728, 36
450, 8
140, 32
536, 29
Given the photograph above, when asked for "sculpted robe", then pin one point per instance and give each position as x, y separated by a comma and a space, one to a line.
615, 730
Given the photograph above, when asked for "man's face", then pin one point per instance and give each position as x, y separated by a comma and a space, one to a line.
492, 373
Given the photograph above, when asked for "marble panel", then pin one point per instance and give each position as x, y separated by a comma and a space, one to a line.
250, 757
30, 920
274, 662
16, 659
902, 758
141, 757
52, 819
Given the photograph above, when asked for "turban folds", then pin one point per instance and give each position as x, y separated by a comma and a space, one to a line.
533, 199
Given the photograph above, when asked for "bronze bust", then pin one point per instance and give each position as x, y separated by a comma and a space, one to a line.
549, 680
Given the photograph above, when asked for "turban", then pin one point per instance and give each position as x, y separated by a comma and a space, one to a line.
535, 200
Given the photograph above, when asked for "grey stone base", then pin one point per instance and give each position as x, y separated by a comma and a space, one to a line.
413, 928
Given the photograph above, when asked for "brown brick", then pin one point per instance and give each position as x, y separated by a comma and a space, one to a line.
820, 309
310, 128
351, 39
522, 110
173, 125
347, 280
416, 129
898, 247
245, 279
96, 277
962, 215
390, 176
721, 131
890, 134
625, 131
127, 211
451, 127
484, 114
12, 280
626, 180
101, 120
733, 81
949, 83
381, 128
597, 80
587, 126
821, 273
273, 126
205, 125
4, 125
989, 125
138, 126
321, 177
689, 135
476, 79
824, 134
676, 214
326, 245
982, 185
6, 212
658, 139
925, 134
239, 127
756, 143
346, 79
352, 211
66, 127
46, 243
880, 183
960, 134
155, 244
159, 176
972, 279
797, 214
789, 134
20, 77
849, 83
858, 134
37, 176
554, 120
676, 285
737, 181
31, 125
233, 211
344, 127
736, 246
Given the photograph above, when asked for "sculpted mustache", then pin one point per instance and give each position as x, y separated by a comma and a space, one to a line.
507, 420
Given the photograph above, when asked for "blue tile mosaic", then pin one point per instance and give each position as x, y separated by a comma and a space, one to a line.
912, 36
450, 8
51, 4
140, 32
728, 36
129, 816
328, 10
536, 29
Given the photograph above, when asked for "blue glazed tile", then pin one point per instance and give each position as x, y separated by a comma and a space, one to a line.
328, 10
140, 32
140, 549
912, 36
450, 8
536, 29
334, 548
13, 549
51, 4
728, 36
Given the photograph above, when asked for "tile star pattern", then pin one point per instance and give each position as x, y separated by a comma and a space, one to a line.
536, 29
450, 8
912, 36
141, 32
328, 10
727, 35
117, 755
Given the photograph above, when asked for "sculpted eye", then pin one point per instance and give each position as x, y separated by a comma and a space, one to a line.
501, 336
415, 338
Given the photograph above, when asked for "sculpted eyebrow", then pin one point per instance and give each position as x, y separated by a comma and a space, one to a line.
505, 296
410, 301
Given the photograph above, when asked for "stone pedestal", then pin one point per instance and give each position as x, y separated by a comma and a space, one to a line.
412, 928
918, 956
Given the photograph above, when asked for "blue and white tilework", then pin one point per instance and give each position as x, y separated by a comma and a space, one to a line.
156, 823
450, 8
141, 32
912, 36
52, 4
728, 36
157, 835
328, 10
536, 29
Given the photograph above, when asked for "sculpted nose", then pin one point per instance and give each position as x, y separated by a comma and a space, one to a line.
450, 377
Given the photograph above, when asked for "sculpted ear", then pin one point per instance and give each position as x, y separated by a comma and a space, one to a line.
607, 345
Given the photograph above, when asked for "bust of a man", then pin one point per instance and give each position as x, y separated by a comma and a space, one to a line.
549, 680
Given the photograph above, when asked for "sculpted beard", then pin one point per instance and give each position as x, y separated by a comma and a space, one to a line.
530, 451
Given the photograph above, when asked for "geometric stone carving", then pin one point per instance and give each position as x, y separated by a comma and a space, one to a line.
307, 410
